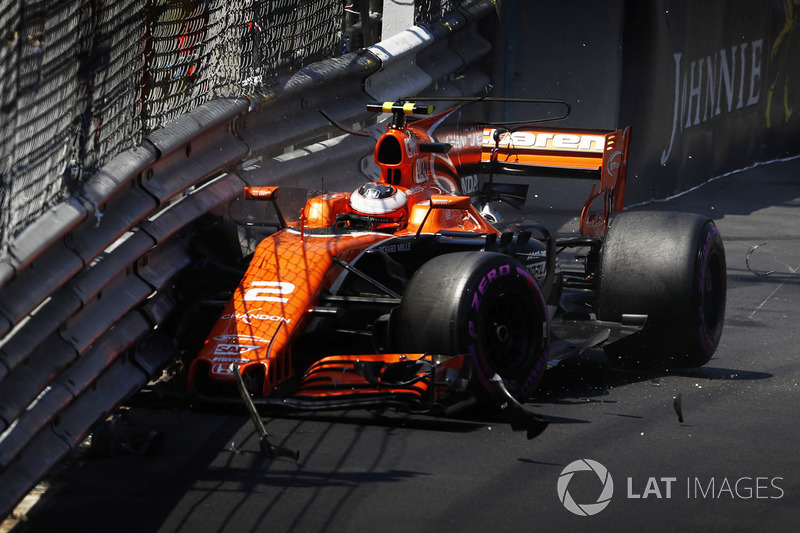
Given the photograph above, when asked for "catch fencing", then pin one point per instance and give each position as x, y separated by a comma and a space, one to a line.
86, 280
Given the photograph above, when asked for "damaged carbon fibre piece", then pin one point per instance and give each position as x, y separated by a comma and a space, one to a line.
267, 448
520, 418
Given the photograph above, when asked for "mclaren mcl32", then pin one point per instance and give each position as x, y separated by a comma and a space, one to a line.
404, 292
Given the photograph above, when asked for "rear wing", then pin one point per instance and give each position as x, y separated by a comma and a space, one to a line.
596, 155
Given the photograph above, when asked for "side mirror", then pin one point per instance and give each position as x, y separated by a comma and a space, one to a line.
261, 193
435, 148
443, 201
268, 194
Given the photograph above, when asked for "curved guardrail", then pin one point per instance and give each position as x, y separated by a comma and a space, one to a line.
84, 287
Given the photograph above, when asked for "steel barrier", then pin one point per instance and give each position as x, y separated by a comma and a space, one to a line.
84, 287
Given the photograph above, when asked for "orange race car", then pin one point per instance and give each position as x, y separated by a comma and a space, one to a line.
404, 293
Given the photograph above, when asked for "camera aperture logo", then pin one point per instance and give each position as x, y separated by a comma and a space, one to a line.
585, 486
585, 509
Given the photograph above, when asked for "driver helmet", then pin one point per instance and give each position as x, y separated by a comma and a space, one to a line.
384, 205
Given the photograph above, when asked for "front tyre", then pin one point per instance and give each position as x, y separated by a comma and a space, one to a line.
481, 304
671, 267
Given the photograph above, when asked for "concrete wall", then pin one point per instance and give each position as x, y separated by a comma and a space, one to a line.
709, 86
568, 50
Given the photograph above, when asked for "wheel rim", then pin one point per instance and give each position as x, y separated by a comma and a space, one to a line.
509, 334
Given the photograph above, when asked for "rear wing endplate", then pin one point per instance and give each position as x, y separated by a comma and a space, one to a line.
597, 155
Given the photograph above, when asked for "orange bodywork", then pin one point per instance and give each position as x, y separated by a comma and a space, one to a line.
272, 302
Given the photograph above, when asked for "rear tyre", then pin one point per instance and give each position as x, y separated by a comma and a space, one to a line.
481, 304
670, 267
